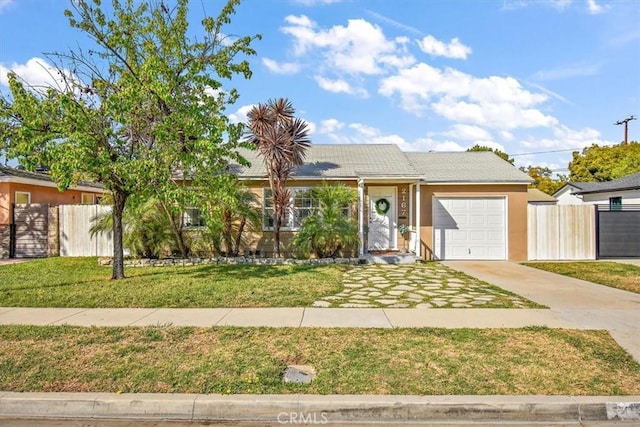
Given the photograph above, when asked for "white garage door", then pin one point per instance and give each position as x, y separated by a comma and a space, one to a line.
469, 228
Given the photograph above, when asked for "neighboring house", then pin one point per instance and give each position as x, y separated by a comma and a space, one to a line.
622, 191
470, 205
19, 187
537, 197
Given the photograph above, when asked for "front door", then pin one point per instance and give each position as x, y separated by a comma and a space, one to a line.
382, 218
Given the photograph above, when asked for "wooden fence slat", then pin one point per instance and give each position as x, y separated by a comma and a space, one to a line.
75, 237
561, 232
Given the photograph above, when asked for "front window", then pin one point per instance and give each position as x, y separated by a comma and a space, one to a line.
301, 205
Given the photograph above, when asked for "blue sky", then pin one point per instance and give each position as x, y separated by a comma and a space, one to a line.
523, 76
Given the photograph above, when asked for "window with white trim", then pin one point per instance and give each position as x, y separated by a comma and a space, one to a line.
301, 205
22, 198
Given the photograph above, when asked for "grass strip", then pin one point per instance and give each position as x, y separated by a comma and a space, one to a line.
349, 361
613, 274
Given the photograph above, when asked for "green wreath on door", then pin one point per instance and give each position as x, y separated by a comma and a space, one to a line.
382, 206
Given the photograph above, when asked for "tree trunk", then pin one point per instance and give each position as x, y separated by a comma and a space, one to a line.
238, 241
276, 236
119, 200
227, 233
176, 229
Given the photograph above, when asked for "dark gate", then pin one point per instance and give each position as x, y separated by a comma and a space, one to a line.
618, 231
29, 231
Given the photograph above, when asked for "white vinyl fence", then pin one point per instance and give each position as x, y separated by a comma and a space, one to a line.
75, 238
561, 232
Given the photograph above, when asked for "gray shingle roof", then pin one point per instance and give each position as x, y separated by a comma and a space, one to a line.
466, 167
630, 182
6, 171
387, 160
340, 161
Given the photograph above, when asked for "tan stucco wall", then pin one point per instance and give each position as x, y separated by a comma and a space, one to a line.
263, 240
516, 196
50, 195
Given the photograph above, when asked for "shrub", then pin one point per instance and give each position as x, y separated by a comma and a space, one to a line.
331, 228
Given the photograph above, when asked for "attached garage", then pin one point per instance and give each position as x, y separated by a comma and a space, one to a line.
469, 228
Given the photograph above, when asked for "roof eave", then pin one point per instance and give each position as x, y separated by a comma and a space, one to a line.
609, 190
450, 182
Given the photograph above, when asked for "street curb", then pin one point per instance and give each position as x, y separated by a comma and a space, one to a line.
316, 409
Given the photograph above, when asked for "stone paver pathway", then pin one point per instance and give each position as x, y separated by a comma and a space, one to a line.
430, 285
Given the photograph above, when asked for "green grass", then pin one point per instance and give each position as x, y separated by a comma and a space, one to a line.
348, 361
613, 274
81, 282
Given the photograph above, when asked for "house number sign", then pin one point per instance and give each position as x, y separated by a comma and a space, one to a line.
403, 204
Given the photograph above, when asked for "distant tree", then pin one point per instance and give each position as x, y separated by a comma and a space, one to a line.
145, 100
543, 179
597, 164
499, 153
331, 228
282, 141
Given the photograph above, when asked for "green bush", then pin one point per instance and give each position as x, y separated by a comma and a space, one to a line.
331, 228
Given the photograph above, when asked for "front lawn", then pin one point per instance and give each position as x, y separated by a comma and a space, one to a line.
536, 361
81, 282
614, 274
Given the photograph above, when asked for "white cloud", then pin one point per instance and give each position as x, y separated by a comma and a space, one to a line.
339, 86
495, 102
493, 115
240, 116
454, 49
311, 126
467, 133
506, 135
36, 72
5, 4
567, 138
330, 126
594, 8
357, 48
281, 67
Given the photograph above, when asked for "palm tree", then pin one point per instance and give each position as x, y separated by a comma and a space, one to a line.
229, 217
331, 228
282, 140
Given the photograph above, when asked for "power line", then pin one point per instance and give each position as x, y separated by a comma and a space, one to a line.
545, 152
